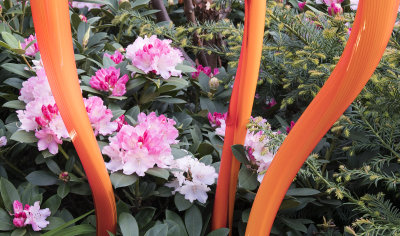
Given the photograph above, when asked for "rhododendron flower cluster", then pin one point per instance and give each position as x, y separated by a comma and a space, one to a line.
117, 57
155, 55
206, 70
139, 148
41, 114
192, 178
99, 116
107, 79
261, 143
30, 215
83, 5
33, 48
334, 6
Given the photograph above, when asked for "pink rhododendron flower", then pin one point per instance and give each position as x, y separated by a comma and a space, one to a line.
83, 5
206, 70
33, 49
35, 88
48, 140
108, 80
155, 55
120, 122
301, 5
117, 57
215, 119
270, 103
99, 116
289, 128
30, 215
137, 149
3, 141
192, 178
335, 9
261, 143
37, 217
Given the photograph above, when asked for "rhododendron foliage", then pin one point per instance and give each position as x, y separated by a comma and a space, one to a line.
30, 215
33, 48
107, 79
192, 178
155, 55
135, 149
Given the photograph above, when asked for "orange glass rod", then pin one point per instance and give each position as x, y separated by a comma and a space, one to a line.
369, 37
53, 32
239, 112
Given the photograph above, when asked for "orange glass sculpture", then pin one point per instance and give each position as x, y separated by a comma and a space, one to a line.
240, 107
53, 32
370, 34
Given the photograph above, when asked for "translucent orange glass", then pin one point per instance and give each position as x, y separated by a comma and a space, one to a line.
240, 107
370, 34
53, 32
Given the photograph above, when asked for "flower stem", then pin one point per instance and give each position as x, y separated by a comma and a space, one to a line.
76, 168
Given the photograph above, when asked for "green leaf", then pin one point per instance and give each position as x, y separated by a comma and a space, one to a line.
90, 90
15, 104
144, 216
302, 192
193, 221
294, 224
185, 68
18, 69
171, 100
140, 3
18, 232
54, 222
53, 203
128, 224
5, 221
239, 153
172, 216
63, 190
24, 137
10, 39
158, 172
158, 230
135, 69
57, 230
119, 180
181, 203
219, 232
41, 178
14, 82
133, 112
8, 193
77, 230
247, 179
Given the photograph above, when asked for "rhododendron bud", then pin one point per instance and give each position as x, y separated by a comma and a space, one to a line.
83, 18
64, 176
289, 128
213, 83
301, 5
